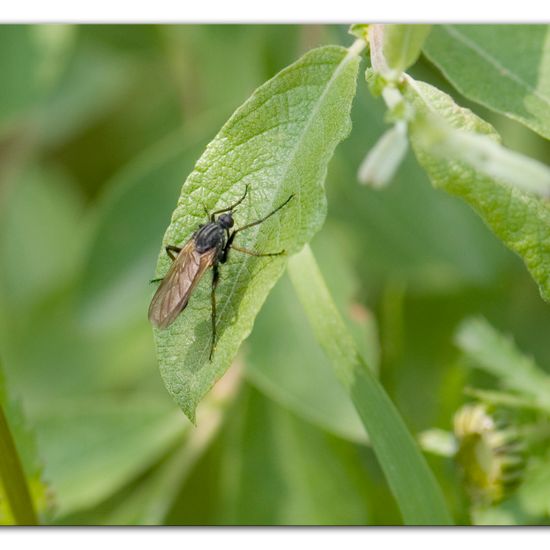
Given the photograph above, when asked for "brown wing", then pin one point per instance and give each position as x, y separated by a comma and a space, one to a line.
173, 293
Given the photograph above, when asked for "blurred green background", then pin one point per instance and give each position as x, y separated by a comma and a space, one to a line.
99, 126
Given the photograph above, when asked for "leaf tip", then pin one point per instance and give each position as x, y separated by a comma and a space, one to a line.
190, 411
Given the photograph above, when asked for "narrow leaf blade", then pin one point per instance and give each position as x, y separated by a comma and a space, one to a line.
409, 477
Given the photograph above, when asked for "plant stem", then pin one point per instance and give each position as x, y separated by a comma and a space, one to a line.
13, 478
357, 47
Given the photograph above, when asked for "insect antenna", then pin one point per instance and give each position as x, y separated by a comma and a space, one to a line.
230, 208
248, 225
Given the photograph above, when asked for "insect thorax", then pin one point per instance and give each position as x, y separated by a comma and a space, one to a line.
210, 235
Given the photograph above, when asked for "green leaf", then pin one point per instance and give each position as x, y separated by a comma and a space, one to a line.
494, 353
22, 491
403, 44
520, 220
360, 30
277, 469
310, 391
93, 447
409, 477
279, 143
486, 156
393, 48
431, 241
147, 498
504, 67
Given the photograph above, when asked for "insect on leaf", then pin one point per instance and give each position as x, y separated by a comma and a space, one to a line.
279, 143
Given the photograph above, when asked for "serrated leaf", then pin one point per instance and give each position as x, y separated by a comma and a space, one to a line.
520, 220
504, 67
279, 143
24, 467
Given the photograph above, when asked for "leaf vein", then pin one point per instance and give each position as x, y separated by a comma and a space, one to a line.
486, 56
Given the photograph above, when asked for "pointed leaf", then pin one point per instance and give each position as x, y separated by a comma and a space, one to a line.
278, 143
520, 220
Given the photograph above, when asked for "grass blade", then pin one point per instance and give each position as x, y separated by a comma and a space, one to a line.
409, 477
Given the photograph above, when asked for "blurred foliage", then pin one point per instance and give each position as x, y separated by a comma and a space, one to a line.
99, 126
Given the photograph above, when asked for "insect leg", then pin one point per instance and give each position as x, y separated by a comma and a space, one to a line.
258, 254
264, 218
171, 249
229, 208
225, 251
215, 279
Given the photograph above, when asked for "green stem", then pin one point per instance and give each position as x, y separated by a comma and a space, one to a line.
13, 478
409, 477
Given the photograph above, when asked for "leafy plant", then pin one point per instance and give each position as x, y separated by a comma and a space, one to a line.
352, 352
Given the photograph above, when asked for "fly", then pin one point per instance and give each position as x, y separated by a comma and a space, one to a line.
208, 247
